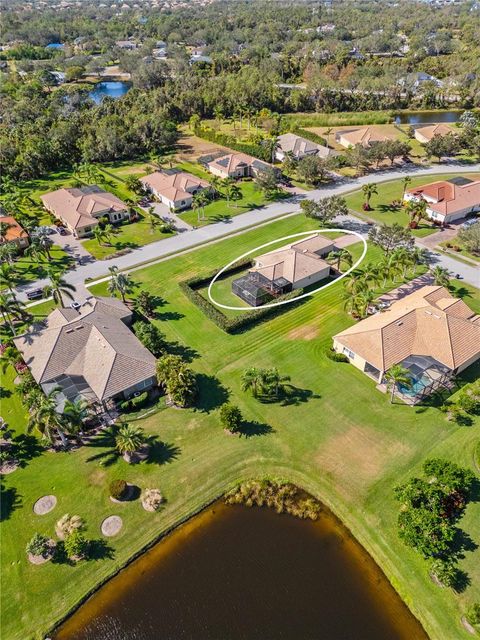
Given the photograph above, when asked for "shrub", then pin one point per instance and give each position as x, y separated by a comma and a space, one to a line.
76, 546
151, 337
473, 613
336, 357
225, 140
152, 499
139, 401
68, 524
445, 571
230, 417
38, 546
118, 489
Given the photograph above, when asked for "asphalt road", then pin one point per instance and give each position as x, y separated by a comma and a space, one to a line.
185, 240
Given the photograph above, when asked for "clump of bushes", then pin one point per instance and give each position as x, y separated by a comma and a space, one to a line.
67, 525
39, 545
177, 379
152, 499
465, 405
284, 497
151, 337
335, 356
231, 417
118, 489
137, 402
76, 546
473, 614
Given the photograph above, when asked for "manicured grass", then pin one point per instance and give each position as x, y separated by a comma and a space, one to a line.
338, 119
382, 211
337, 436
129, 235
29, 270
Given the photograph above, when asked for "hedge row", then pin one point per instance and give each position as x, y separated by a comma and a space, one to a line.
309, 135
245, 319
226, 140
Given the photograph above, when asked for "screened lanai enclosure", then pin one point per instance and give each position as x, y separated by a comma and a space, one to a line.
255, 289
427, 375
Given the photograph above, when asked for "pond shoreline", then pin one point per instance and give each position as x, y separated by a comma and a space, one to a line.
325, 509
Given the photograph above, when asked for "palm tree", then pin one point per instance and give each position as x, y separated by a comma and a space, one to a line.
99, 234
369, 190
235, 193
8, 276
74, 413
272, 145
4, 227
10, 308
128, 440
441, 276
35, 249
419, 256
371, 275
8, 251
119, 282
341, 255
353, 302
58, 288
386, 269
215, 183
405, 182
396, 376
364, 301
198, 203
9, 357
402, 259
45, 418
272, 380
253, 379
44, 242
355, 282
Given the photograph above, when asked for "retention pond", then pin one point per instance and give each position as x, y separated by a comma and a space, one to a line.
234, 573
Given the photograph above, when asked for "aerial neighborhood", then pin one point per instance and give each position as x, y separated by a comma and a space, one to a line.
240, 320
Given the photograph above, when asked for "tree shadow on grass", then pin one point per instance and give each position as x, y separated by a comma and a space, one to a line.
163, 452
169, 315
187, 353
100, 550
10, 500
289, 396
5, 393
253, 428
25, 448
212, 393
105, 440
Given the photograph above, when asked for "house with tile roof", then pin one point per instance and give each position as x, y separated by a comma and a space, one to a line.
236, 165
13, 232
364, 136
429, 332
88, 353
298, 147
174, 188
448, 200
425, 133
294, 266
81, 208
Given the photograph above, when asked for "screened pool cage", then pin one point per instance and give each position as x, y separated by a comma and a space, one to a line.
255, 289
427, 376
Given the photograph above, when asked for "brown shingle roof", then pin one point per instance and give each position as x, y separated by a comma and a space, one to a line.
422, 323
14, 232
94, 344
174, 186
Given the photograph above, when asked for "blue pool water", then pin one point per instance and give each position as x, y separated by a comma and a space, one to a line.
111, 89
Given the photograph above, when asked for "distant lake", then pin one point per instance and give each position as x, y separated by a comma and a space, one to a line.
427, 117
111, 89
234, 573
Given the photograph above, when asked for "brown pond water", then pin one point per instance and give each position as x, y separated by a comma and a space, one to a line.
234, 573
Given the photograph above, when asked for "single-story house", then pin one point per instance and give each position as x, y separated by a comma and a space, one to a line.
300, 147
415, 81
448, 200
80, 208
128, 45
13, 232
174, 188
89, 353
428, 332
294, 266
236, 165
426, 133
364, 136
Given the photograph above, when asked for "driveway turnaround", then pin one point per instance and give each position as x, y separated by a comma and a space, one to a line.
189, 239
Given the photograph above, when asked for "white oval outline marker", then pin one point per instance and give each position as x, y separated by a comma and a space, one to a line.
304, 295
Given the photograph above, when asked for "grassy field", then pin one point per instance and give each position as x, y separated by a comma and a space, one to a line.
349, 449
29, 270
382, 211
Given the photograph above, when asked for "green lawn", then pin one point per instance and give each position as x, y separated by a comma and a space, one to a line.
338, 437
129, 236
29, 270
382, 211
